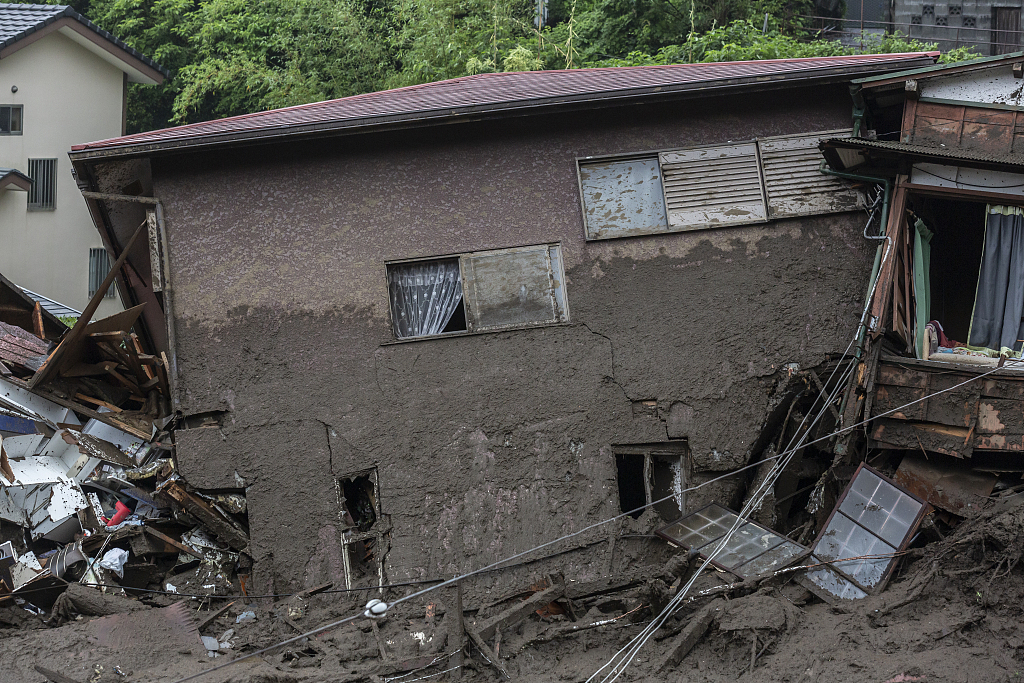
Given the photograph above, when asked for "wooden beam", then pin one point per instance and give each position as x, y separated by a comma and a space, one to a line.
513, 615
53, 364
487, 653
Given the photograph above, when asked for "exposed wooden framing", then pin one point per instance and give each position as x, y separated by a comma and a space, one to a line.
909, 114
886, 272
52, 364
37, 321
958, 193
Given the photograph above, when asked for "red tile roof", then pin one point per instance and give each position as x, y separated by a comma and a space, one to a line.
503, 92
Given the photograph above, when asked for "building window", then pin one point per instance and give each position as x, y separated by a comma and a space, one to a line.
710, 186
477, 292
10, 120
650, 472
43, 173
99, 266
365, 529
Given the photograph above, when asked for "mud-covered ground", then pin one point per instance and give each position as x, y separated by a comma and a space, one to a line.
952, 614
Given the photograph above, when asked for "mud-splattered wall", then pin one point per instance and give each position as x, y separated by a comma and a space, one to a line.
485, 445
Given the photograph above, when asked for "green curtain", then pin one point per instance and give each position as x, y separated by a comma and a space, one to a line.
922, 282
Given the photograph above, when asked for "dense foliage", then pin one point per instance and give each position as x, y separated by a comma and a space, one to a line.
235, 56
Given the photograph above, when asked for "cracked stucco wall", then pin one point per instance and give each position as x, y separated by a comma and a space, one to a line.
485, 445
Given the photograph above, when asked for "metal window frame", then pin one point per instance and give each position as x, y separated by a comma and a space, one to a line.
50, 191
381, 530
93, 251
10, 107
675, 542
469, 254
925, 509
657, 153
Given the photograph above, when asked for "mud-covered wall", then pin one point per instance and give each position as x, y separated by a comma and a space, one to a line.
489, 444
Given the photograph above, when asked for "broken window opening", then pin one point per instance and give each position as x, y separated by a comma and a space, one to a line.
477, 292
650, 472
957, 278
364, 534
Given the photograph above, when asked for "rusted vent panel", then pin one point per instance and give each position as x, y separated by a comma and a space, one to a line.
793, 179
713, 186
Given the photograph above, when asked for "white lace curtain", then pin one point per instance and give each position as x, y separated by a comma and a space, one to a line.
424, 296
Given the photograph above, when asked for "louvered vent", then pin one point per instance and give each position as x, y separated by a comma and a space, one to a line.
795, 184
712, 186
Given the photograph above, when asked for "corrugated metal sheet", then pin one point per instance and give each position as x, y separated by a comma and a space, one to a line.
508, 90
894, 149
794, 182
713, 186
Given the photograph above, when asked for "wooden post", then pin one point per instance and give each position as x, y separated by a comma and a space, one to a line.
457, 637
37, 321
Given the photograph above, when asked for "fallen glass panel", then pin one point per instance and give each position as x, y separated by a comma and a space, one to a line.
880, 506
776, 558
698, 528
845, 539
872, 522
751, 546
746, 543
831, 582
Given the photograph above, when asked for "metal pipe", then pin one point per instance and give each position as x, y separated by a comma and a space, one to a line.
862, 327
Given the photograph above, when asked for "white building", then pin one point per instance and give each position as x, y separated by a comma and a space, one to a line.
63, 81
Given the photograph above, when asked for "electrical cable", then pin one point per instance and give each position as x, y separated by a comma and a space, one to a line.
788, 452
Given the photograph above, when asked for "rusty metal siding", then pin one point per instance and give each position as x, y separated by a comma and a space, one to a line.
794, 182
622, 198
713, 186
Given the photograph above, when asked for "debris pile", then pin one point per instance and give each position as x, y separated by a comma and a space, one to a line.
88, 489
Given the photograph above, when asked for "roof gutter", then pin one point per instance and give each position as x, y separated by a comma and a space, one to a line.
482, 112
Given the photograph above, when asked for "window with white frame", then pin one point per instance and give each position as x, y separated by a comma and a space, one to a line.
477, 292
711, 186
99, 266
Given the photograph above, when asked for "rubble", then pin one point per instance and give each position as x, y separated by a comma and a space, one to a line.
88, 475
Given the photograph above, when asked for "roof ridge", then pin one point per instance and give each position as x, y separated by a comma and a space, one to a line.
519, 89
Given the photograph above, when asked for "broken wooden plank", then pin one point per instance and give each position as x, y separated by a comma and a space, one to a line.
491, 658
457, 634
520, 611
67, 352
54, 676
98, 402
213, 616
692, 634
177, 544
380, 642
205, 513
37, 321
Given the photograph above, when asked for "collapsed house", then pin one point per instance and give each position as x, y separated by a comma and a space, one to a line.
422, 328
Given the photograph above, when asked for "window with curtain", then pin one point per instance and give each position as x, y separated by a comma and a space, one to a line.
998, 320
477, 292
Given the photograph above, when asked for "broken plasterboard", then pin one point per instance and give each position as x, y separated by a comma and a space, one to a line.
873, 521
750, 551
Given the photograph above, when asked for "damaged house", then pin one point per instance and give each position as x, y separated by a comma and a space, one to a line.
947, 292
421, 329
